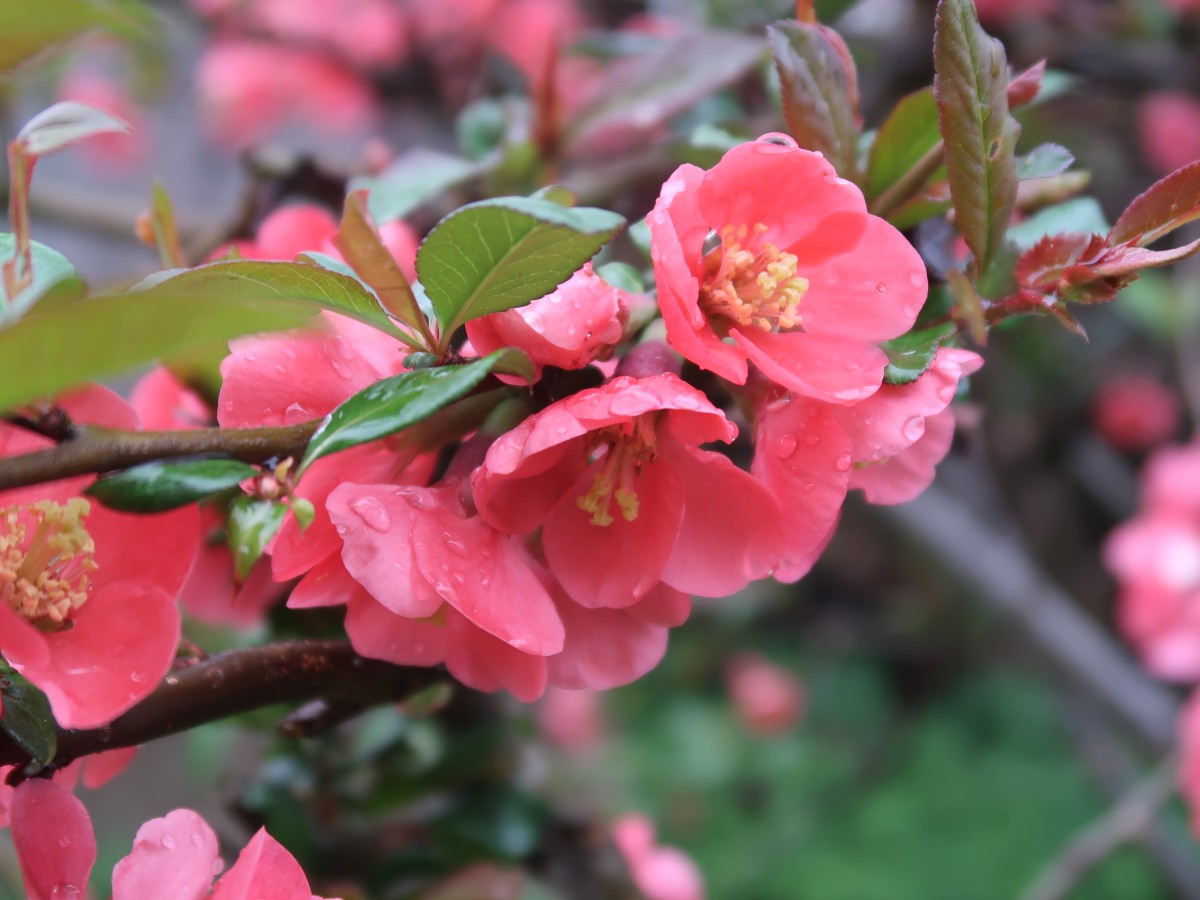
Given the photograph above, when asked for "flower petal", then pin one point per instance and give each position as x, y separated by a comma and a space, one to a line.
53, 835
172, 857
264, 871
605, 648
825, 367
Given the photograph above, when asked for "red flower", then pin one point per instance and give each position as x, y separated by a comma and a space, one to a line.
625, 498
89, 611
772, 250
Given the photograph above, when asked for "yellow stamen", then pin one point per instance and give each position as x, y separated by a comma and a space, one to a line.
44, 577
621, 451
752, 282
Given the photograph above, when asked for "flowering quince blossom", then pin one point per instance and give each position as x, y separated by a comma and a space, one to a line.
173, 858
577, 323
89, 611
767, 698
625, 498
1134, 413
660, 873
803, 281
1155, 557
210, 593
809, 453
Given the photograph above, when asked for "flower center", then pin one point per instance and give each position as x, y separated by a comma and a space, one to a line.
46, 556
621, 451
752, 282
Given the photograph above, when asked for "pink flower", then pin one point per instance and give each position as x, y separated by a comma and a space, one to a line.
768, 700
1155, 557
527, 32
625, 498
802, 279
108, 152
89, 610
1135, 413
175, 856
574, 720
1169, 129
248, 90
660, 873
211, 593
579, 322
371, 33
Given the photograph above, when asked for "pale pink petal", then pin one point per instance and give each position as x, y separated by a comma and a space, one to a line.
731, 529
101, 768
54, 840
381, 634
326, 584
870, 301
121, 646
604, 648
803, 457
518, 505
903, 476
485, 663
826, 367
662, 606
615, 565
163, 404
264, 871
290, 230
175, 856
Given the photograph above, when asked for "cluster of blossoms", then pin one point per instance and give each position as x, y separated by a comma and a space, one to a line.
560, 551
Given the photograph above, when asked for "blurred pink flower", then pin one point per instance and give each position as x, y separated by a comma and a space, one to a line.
768, 699
1135, 413
1169, 130
660, 873
574, 720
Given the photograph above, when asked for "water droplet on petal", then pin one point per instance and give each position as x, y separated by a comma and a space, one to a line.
881, 287
168, 841
341, 529
138, 677
228, 406
373, 514
65, 891
196, 839
64, 842
289, 352
808, 487
844, 462
913, 429
785, 445
250, 357
812, 439
778, 137
945, 393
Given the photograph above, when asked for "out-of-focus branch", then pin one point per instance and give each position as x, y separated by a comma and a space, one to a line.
991, 560
1126, 821
239, 681
103, 450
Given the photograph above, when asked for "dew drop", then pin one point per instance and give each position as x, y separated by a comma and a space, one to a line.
869, 420
808, 487
339, 369
65, 891
250, 357
812, 439
373, 514
881, 287
341, 529
779, 138
785, 445
228, 406
217, 866
844, 462
196, 839
289, 352
168, 841
64, 842
945, 393
913, 428
137, 677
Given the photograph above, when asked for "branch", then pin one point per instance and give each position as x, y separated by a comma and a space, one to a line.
1127, 820
96, 450
239, 681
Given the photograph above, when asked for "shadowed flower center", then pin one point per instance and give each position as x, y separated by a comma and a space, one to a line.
46, 556
751, 281
621, 451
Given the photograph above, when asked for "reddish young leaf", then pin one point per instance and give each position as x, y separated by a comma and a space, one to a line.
1023, 88
361, 247
1161, 208
819, 90
1129, 260
971, 88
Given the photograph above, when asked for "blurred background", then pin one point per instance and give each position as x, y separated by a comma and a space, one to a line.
946, 707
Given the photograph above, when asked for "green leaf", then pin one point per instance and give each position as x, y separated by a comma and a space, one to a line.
1082, 215
403, 400
410, 180
1044, 161
498, 820
259, 281
54, 348
502, 253
1160, 209
971, 89
158, 486
911, 354
28, 28
64, 124
818, 92
362, 248
28, 720
639, 92
252, 523
623, 276
53, 278
906, 135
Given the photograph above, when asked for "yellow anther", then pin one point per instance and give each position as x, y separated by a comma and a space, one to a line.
44, 576
755, 283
